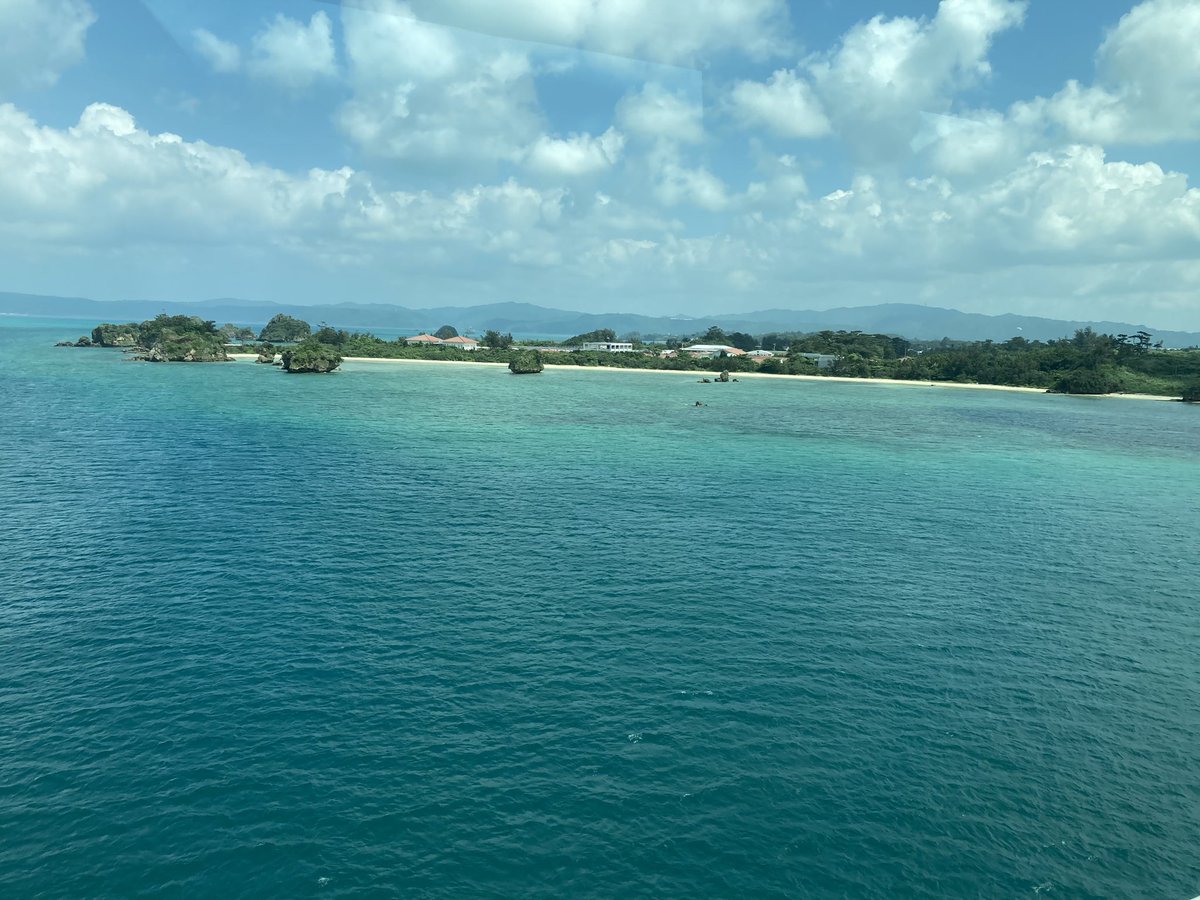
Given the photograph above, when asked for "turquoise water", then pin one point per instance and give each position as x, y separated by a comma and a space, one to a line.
436, 631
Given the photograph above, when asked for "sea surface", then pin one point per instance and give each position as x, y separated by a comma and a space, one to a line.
422, 630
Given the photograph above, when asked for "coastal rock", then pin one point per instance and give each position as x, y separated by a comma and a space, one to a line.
84, 342
311, 357
526, 362
65, 344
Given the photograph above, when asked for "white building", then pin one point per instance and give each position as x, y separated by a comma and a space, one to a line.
823, 360
712, 350
461, 343
608, 346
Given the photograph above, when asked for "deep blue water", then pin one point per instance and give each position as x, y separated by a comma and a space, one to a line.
434, 631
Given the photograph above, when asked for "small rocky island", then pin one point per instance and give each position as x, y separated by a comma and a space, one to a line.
311, 357
192, 339
526, 362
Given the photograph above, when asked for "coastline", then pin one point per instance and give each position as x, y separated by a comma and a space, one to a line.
704, 373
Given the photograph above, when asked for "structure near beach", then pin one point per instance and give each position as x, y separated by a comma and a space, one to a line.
608, 346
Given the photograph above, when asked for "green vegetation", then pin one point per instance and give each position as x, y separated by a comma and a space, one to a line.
311, 356
108, 335
1086, 363
526, 362
590, 337
496, 340
239, 333
446, 331
1088, 381
285, 329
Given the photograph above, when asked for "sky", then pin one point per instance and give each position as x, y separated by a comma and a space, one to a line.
668, 157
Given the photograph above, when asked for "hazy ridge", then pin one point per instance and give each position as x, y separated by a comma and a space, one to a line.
908, 320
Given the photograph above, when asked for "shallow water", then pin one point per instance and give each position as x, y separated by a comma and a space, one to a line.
440, 631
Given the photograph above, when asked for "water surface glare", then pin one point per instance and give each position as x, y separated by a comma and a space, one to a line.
437, 631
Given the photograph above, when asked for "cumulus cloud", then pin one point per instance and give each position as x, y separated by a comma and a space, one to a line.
1148, 80
657, 113
667, 31
577, 155
426, 92
225, 57
786, 104
286, 51
39, 39
874, 86
293, 54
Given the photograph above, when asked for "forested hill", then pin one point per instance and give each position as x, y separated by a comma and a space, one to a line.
907, 320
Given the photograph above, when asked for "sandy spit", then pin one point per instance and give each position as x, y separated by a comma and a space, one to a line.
697, 374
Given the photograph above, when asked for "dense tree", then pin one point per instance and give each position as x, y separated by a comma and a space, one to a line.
714, 335
1191, 391
446, 331
331, 337
233, 332
742, 341
496, 340
109, 335
311, 356
526, 362
285, 329
589, 337
1104, 380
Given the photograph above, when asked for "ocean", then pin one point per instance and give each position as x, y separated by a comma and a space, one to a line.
426, 630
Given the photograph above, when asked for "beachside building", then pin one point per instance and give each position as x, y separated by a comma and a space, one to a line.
823, 360
461, 343
424, 340
713, 350
760, 354
609, 346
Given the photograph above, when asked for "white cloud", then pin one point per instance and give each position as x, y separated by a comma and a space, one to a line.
785, 104
428, 93
577, 155
657, 113
293, 54
874, 86
39, 39
668, 31
225, 57
1148, 80
696, 186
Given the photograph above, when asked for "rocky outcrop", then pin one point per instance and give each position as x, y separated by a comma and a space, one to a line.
526, 362
311, 357
187, 348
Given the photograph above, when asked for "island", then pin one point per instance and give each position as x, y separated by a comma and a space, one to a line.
311, 357
526, 362
1086, 363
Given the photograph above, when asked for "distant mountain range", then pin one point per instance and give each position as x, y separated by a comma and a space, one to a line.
903, 319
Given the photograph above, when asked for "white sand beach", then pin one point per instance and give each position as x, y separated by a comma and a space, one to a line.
698, 374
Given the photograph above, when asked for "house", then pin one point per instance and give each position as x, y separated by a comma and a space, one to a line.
461, 343
608, 346
823, 360
424, 340
713, 350
760, 354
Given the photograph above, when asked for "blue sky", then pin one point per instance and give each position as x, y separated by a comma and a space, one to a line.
663, 156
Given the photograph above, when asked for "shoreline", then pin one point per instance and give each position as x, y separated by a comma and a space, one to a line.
704, 373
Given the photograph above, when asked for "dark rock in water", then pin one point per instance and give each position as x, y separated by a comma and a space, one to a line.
526, 362
187, 348
84, 342
266, 357
724, 376
311, 357
65, 344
